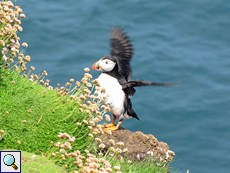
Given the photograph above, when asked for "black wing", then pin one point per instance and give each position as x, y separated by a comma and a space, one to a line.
121, 50
139, 83
128, 87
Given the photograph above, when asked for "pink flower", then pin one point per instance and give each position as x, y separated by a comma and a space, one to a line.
5, 57
13, 48
4, 50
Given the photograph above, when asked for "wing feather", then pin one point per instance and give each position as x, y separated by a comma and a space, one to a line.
121, 50
139, 83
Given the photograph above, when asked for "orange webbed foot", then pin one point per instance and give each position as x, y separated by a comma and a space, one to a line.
112, 128
108, 125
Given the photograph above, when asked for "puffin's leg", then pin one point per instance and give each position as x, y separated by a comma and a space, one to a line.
112, 123
112, 128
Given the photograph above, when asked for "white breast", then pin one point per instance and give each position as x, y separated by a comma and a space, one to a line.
116, 94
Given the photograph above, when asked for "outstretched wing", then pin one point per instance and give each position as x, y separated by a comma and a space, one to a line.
139, 83
121, 50
129, 86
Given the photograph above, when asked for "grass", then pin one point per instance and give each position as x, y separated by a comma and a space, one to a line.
44, 112
59, 124
36, 163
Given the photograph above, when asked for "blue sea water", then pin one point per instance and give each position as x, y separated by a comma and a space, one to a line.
182, 41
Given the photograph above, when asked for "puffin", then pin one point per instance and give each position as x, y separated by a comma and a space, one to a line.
116, 78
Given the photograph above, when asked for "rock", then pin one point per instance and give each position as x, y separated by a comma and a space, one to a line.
140, 146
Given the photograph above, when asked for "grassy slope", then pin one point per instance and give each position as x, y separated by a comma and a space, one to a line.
42, 124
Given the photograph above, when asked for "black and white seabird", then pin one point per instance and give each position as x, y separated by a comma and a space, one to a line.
116, 78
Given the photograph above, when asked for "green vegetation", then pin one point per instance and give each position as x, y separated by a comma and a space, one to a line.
58, 124
36, 163
34, 115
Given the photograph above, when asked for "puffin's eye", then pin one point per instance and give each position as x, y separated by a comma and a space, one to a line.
106, 62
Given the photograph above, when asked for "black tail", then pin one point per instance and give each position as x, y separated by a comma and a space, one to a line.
130, 110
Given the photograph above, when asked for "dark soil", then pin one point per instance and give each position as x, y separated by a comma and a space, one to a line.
140, 146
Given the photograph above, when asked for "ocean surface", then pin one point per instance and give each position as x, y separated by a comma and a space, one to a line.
173, 41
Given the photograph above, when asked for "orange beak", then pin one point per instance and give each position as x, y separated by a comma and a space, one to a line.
95, 66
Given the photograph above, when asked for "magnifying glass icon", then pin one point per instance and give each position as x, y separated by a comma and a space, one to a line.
9, 160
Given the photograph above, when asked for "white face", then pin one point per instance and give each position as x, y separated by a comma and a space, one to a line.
106, 65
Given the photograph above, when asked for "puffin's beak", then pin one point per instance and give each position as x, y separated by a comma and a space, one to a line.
95, 66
